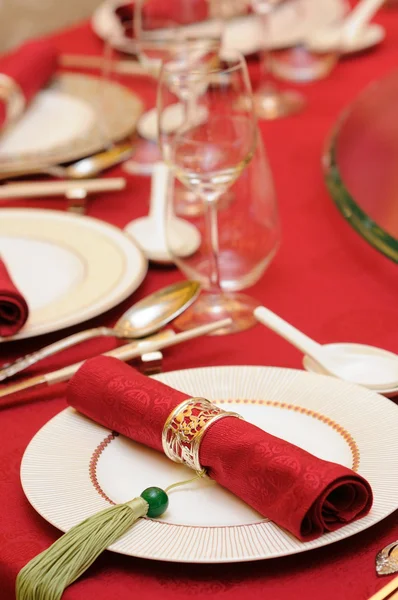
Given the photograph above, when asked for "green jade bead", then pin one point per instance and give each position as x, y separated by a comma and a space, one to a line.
157, 499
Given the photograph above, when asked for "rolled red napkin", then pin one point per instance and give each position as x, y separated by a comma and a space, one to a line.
13, 307
298, 491
30, 67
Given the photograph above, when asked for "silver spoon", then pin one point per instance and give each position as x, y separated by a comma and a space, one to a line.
371, 367
144, 318
82, 169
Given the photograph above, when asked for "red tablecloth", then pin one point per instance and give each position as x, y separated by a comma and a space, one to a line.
325, 279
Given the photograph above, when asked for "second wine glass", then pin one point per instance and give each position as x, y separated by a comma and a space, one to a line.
208, 151
271, 102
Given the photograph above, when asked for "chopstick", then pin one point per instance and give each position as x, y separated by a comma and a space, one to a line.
123, 67
54, 188
124, 353
388, 592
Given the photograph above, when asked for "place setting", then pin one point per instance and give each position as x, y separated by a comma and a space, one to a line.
201, 438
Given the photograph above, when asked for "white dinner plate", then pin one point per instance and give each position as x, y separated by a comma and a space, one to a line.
243, 33
73, 467
74, 116
69, 267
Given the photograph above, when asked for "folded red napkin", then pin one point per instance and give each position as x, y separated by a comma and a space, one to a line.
13, 307
30, 66
301, 493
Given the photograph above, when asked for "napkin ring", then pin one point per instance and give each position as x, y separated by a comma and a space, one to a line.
12, 95
185, 427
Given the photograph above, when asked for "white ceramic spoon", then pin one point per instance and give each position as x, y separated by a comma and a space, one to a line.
347, 33
150, 232
371, 367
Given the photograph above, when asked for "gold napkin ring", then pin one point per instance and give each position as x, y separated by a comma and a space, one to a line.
185, 427
11, 94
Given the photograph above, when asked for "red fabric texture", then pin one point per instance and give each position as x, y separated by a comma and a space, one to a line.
30, 66
298, 491
14, 310
325, 279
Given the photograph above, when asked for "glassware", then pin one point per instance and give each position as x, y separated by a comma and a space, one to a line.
215, 149
301, 64
270, 102
152, 31
360, 165
166, 31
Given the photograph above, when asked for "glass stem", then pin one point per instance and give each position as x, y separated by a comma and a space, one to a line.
265, 52
190, 109
213, 241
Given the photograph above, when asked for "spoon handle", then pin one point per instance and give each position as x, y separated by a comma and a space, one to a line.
360, 15
159, 201
22, 363
124, 353
287, 331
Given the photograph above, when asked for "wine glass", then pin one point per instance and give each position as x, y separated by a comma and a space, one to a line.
210, 151
166, 31
270, 102
152, 31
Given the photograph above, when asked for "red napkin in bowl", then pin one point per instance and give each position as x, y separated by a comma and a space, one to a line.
180, 13
301, 493
13, 307
167, 10
30, 66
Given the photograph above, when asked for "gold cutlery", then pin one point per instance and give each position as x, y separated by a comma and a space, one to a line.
81, 169
33, 189
142, 319
387, 560
124, 353
388, 592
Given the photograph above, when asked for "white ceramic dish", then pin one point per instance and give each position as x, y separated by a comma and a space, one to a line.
68, 474
312, 366
69, 267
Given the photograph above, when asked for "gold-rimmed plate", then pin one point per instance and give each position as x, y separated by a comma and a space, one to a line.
73, 467
69, 267
74, 116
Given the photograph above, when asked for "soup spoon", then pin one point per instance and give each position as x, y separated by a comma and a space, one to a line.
150, 232
144, 318
371, 367
346, 33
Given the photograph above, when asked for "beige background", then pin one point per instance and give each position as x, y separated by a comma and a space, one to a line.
22, 19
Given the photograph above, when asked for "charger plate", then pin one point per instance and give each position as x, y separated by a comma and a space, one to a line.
70, 268
75, 116
73, 467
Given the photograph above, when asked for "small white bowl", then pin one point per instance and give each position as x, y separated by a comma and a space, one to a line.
313, 367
